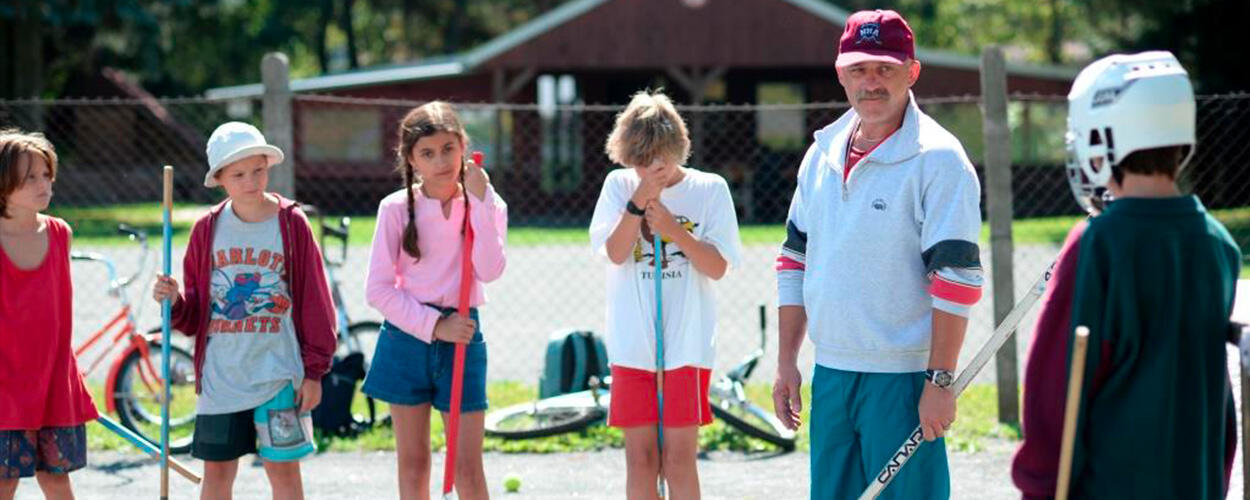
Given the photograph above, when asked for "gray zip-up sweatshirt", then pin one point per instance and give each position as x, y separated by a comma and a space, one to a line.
870, 258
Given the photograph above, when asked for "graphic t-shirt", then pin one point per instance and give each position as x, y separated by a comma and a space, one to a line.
252, 351
702, 205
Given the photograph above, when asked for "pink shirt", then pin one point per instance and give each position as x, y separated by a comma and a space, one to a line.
402, 288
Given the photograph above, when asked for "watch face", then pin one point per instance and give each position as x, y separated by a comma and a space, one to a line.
943, 379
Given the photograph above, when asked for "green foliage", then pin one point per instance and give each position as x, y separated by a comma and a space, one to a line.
1073, 32
180, 47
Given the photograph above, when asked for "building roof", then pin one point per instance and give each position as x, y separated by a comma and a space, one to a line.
469, 61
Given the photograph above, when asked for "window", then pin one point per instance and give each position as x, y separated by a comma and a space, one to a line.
562, 133
479, 123
779, 129
337, 134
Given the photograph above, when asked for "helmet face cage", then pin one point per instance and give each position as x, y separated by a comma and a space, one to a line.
1118, 105
1091, 195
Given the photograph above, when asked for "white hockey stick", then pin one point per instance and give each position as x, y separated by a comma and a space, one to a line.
913, 442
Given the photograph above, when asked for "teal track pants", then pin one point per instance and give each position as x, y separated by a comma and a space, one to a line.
858, 421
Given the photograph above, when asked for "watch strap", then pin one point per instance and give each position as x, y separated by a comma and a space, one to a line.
634, 209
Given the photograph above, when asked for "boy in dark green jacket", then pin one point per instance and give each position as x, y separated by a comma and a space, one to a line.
1155, 280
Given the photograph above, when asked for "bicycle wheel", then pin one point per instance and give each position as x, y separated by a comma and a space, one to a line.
547, 417
137, 396
750, 419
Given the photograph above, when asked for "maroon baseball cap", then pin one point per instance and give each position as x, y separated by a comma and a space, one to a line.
875, 35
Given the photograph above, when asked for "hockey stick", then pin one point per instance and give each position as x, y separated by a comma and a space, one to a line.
1076, 374
991, 346
660, 484
457, 371
146, 447
166, 252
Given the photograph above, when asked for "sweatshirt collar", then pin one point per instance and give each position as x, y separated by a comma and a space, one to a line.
900, 146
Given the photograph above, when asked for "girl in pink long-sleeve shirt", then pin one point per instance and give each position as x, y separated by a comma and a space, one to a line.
414, 281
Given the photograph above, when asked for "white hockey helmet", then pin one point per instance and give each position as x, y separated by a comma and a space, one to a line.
1120, 104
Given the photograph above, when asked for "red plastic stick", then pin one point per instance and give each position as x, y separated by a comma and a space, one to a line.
457, 374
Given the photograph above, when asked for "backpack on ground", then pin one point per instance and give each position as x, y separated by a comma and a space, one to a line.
573, 357
334, 415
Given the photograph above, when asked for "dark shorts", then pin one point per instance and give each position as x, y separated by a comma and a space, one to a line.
224, 437
407, 371
56, 450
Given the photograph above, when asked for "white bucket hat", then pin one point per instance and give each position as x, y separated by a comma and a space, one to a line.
234, 141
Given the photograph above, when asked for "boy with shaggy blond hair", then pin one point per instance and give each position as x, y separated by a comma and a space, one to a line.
693, 214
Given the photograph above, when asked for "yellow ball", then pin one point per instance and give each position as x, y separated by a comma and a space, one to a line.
512, 483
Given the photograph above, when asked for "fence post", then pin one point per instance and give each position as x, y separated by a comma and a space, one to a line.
276, 76
999, 209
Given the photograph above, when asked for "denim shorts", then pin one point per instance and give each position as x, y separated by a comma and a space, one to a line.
408, 371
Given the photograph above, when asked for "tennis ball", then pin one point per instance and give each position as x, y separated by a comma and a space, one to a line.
512, 483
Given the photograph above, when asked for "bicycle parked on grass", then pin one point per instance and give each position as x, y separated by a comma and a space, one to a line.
579, 410
132, 388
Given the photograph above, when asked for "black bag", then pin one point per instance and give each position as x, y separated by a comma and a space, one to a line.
338, 388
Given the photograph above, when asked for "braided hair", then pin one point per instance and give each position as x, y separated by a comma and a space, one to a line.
423, 121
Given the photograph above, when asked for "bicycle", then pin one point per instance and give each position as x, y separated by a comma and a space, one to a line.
133, 386
579, 410
354, 337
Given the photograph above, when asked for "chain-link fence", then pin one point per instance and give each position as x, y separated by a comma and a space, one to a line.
548, 164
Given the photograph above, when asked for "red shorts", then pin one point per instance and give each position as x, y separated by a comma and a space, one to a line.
685, 397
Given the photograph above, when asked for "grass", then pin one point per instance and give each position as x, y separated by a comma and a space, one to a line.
98, 225
977, 423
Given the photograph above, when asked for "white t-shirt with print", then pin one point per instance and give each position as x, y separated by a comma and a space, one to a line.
701, 203
252, 351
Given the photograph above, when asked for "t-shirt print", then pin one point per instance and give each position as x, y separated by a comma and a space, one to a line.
671, 256
249, 295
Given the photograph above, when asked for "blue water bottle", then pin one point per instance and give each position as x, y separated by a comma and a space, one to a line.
285, 434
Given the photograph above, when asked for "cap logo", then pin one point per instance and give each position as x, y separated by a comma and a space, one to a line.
869, 32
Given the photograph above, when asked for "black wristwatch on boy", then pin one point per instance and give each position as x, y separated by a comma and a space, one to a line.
634, 209
943, 379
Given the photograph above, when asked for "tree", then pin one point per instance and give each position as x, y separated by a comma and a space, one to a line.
1073, 32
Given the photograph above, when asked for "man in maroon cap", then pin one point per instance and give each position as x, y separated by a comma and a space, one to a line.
889, 207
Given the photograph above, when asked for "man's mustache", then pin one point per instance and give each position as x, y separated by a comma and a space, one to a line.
872, 94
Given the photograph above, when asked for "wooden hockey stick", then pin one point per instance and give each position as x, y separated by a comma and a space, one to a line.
1076, 374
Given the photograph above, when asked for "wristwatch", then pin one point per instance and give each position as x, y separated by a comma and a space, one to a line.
941, 378
634, 209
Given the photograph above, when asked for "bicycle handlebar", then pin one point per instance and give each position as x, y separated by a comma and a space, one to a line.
339, 232
134, 234
114, 282
763, 325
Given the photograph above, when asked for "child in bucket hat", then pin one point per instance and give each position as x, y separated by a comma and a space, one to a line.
234, 141
259, 378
